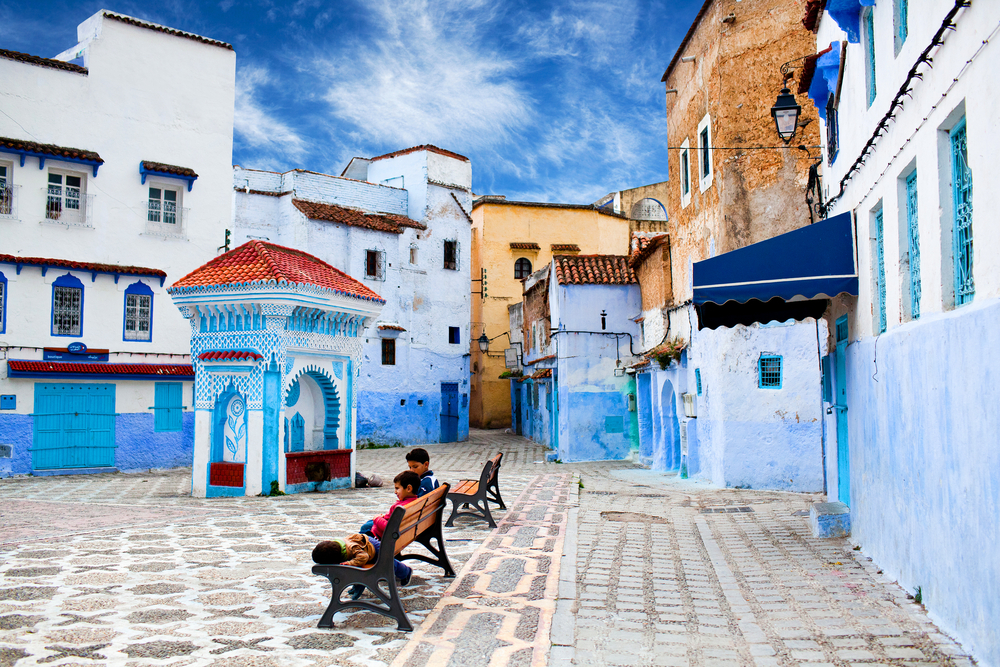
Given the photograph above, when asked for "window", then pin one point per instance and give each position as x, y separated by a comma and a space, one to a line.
697, 380
961, 188
685, 159
7, 203
3, 304
67, 306
832, 129
413, 254
913, 244
522, 269
705, 153
66, 200
168, 408
901, 12
138, 313
162, 206
454, 335
769, 371
878, 291
388, 351
868, 26
451, 255
375, 264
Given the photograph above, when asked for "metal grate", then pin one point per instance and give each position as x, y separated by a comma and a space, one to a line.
388, 352
914, 243
769, 371
965, 287
138, 316
67, 311
880, 276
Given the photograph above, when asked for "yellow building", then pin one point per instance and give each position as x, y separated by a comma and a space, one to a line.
511, 239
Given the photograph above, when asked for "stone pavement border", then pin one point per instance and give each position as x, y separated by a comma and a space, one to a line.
499, 610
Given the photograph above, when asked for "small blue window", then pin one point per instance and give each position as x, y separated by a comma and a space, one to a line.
902, 11
138, 318
880, 269
965, 286
67, 306
454, 335
8, 402
769, 371
168, 407
697, 380
913, 232
868, 24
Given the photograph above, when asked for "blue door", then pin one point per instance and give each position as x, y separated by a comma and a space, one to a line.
449, 411
74, 426
840, 406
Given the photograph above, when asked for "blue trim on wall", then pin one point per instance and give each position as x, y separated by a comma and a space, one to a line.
42, 157
164, 174
138, 287
3, 304
271, 444
67, 280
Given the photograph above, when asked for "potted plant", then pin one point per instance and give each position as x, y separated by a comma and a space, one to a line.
667, 351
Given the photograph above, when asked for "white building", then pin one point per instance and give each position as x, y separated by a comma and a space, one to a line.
910, 94
115, 172
398, 223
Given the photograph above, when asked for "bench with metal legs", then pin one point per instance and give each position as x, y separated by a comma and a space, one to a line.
477, 495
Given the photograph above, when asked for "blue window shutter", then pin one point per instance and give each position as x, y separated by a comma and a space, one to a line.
168, 406
176, 406
869, 27
880, 253
160, 407
914, 243
965, 286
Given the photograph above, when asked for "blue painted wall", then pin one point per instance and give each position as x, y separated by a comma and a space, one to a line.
141, 448
925, 465
645, 418
16, 430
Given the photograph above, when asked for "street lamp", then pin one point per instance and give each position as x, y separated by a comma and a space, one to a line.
484, 343
786, 114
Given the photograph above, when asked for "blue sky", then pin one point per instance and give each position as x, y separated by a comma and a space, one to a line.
552, 101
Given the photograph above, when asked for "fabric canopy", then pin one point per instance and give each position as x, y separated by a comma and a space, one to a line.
813, 261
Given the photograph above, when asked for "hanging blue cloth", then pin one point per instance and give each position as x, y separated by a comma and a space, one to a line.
824, 81
847, 14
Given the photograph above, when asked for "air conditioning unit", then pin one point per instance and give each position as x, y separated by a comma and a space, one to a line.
689, 410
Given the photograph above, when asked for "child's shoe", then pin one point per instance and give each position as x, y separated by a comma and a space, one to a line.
405, 581
356, 591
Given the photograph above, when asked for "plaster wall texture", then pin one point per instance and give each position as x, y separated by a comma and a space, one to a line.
147, 96
495, 226
757, 438
920, 440
746, 195
400, 402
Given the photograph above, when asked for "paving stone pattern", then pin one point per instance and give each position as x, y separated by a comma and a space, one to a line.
675, 573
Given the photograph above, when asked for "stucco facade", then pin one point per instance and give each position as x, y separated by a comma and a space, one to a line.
504, 232
115, 164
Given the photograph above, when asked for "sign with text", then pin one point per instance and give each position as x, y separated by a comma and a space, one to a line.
67, 354
511, 359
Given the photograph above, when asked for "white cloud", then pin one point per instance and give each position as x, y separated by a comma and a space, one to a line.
255, 125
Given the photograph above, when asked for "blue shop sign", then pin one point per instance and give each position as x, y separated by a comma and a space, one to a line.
75, 352
76, 348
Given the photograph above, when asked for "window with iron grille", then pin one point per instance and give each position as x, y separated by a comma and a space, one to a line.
961, 186
67, 306
868, 25
697, 380
162, 206
685, 173
451, 255
522, 269
454, 335
138, 312
769, 371
388, 351
6, 191
375, 264
64, 197
832, 129
913, 243
879, 291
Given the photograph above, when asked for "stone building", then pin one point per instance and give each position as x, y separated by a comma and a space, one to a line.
510, 240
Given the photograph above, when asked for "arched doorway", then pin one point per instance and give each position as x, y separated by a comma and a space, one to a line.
669, 453
313, 456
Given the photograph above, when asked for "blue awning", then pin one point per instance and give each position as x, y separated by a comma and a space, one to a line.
816, 261
825, 75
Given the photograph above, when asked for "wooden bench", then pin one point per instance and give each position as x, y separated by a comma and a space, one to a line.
478, 494
418, 521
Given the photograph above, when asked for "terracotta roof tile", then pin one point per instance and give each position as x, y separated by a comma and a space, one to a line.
230, 355
565, 247
390, 327
161, 168
423, 147
83, 266
20, 145
382, 222
539, 360
42, 62
593, 270
642, 247
542, 374
170, 31
182, 371
525, 246
262, 262
809, 69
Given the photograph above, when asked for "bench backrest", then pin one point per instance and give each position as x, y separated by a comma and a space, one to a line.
490, 471
410, 520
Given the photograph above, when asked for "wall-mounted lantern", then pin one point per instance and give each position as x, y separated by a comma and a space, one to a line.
786, 114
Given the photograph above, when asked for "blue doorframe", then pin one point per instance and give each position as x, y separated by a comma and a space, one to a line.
74, 426
449, 411
840, 407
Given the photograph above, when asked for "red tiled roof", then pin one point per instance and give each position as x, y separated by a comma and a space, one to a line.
593, 270
20, 145
525, 246
168, 169
809, 69
262, 262
68, 367
422, 147
83, 266
170, 31
542, 374
230, 355
811, 17
565, 247
381, 222
390, 327
539, 360
642, 247
42, 62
